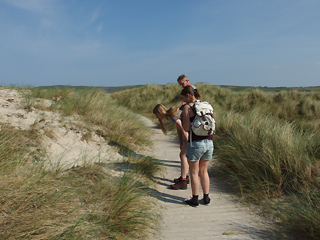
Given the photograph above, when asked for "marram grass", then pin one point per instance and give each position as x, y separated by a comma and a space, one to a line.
78, 203
99, 111
267, 143
83, 202
264, 155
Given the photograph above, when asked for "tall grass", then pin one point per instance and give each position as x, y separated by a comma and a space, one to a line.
145, 166
265, 156
267, 143
83, 202
299, 213
79, 203
100, 111
144, 99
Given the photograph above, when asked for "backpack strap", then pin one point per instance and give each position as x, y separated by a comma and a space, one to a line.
192, 108
195, 113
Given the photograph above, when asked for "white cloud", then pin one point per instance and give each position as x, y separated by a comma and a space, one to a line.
92, 17
95, 15
30, 5
100, 27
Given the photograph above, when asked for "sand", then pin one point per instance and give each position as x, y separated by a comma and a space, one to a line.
64, 139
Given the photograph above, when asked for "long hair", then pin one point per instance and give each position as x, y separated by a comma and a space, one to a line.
166, 113
192, 91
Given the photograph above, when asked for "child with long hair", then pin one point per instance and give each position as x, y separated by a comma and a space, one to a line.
161, 112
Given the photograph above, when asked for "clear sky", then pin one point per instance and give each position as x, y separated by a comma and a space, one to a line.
272, 43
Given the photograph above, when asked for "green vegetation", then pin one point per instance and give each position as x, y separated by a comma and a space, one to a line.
104, 89
267, 144
270, 89
230, 87
83, 202
96, 109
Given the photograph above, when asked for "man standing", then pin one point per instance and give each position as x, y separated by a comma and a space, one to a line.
183, 81
181, 182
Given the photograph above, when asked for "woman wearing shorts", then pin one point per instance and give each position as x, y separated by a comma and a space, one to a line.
199, 153
161, 112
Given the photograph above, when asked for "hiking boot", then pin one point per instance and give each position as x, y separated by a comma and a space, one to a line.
176, 180
191, 202
206, 200
179, 185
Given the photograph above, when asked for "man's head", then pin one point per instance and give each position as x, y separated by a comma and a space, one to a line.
183, 81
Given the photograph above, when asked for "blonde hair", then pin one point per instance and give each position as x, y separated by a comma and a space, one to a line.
165, 113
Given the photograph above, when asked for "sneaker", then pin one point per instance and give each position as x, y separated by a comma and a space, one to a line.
191, 202
176, 180
179, 185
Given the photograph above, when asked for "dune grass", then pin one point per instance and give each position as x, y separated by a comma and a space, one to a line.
265, 156
145, 166
79, 203
267, 144
83, 202
142, 100
96, 109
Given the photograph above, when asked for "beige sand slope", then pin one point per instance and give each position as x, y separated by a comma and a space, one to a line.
63, 138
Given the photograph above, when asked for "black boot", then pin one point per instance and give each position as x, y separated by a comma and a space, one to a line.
193, 202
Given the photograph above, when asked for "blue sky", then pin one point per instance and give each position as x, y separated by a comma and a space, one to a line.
270, 43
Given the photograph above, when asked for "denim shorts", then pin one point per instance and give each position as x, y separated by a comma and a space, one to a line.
200, 149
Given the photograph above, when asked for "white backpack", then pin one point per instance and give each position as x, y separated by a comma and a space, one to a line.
203, 123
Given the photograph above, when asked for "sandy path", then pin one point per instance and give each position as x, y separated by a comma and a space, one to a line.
223, 218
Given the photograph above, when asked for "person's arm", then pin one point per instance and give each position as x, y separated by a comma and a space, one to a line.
186, 118
181, 132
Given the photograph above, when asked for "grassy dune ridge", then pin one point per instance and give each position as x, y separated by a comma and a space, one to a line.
83, 202
97, 108
267, 144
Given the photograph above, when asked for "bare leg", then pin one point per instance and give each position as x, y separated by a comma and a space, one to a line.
194, 173
184, 161
204, 176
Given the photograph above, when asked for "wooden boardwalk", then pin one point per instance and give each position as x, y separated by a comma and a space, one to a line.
223, 218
